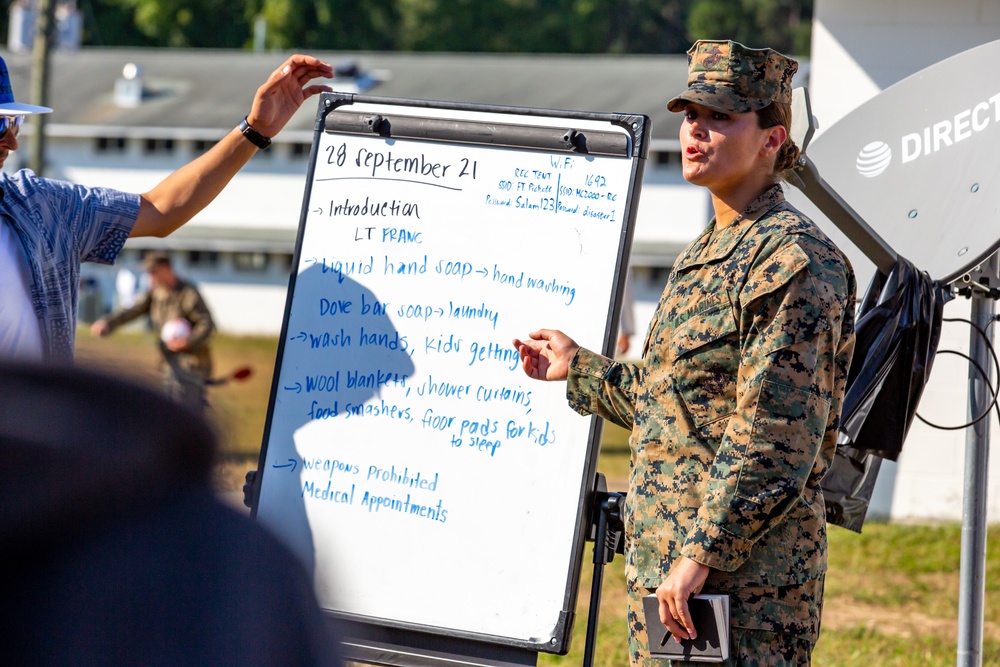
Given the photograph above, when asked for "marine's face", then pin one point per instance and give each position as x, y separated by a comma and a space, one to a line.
720, 150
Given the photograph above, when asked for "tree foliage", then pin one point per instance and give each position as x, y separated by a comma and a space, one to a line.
369, 25
784, 25
178, 23
508, 26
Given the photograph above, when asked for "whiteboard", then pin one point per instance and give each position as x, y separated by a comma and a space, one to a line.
407, 459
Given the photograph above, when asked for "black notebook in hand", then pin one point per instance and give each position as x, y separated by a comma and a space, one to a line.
710, 616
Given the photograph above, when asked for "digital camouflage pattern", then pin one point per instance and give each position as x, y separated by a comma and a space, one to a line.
729, 77
735, 413
771, 607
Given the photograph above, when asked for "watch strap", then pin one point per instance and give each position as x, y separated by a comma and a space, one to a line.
253, 136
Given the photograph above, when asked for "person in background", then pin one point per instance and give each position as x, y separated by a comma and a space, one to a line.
48, 227
735, 410
184, 324
626, 323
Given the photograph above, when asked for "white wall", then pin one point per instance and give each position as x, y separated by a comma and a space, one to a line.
672, 212
864, 47
246, 309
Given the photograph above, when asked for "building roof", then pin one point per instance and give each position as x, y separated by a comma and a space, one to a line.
203, 93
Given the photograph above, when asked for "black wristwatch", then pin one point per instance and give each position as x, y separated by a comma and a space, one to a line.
255, 137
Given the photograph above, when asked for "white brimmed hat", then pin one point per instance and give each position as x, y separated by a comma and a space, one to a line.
8, 107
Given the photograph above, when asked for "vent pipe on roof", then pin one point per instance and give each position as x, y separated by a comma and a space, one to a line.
259, 33
128, 89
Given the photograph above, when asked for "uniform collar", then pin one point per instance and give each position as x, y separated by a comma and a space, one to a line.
714, 245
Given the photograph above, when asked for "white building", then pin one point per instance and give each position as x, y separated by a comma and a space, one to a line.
239, 249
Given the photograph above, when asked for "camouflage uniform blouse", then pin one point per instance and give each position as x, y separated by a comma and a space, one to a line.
183, 301
734, 412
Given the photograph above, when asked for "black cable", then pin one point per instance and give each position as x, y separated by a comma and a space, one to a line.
982, 372
984, 335
994, 320
989, 346
986, 412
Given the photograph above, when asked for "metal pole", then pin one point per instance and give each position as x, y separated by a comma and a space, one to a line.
606, 527
972, 573
41, 55
597, 585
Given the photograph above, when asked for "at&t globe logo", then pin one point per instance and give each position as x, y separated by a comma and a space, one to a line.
873, 159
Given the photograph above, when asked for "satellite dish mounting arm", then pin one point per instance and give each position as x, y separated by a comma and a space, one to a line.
806, 178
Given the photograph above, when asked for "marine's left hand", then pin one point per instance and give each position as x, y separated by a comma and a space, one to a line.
686, 578
285, 91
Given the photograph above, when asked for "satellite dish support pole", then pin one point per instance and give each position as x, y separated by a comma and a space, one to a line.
972, 569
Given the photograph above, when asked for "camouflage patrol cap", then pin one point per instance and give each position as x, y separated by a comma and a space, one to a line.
729, 77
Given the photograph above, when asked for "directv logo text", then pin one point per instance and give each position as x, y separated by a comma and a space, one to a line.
875, 157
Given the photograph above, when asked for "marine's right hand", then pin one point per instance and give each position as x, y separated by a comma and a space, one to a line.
99, 329
547, 354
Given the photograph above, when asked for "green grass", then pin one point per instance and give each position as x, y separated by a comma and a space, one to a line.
863, 647
891, 601
891, 593
238, 409
614, 453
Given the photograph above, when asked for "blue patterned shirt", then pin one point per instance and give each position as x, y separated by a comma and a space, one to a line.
60, 225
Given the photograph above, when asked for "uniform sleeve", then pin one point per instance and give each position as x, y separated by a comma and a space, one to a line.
139, 308
792, 313
197, 313
604, 387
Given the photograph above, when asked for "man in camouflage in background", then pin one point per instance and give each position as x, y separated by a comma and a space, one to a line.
735, 411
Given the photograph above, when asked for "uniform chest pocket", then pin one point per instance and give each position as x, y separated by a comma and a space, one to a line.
705, 349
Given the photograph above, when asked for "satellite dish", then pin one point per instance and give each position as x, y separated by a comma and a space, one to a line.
918, 163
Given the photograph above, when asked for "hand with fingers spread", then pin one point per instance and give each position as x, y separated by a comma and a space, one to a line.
547, 354
686, 578
185, 192
285, 90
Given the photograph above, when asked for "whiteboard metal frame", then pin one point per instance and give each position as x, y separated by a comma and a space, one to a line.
388, 641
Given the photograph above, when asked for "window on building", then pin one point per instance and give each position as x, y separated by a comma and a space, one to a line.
300, 150
250, 261
129, 256
203, 259
668, 158
158, 146
202, 145
110, 144
658, 276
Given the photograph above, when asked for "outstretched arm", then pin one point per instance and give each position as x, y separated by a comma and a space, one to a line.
184, 193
